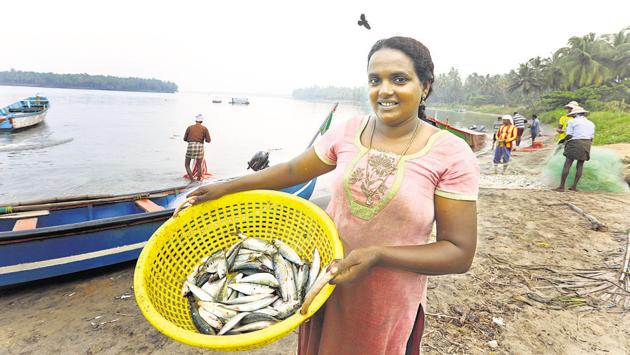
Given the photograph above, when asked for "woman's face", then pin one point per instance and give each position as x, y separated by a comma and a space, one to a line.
393, 86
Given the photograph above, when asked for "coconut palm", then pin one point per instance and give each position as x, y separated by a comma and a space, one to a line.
583, 61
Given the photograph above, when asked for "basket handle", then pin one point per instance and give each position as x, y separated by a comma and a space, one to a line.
189, 201
321, 281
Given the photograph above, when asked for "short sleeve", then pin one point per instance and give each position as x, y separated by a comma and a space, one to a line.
460, 178
327, 145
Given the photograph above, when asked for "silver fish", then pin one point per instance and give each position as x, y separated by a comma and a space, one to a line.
250, 327
251, 289
259, 245
252, 306
314, 271
286, 309
262, 278
201, 325
247, 299
210, 319
232, 322
287, 252
282, 273
198, 292
217, 309
214, 289
257, 317
254, 265
302, 280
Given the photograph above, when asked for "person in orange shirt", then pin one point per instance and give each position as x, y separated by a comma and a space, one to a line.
505, 136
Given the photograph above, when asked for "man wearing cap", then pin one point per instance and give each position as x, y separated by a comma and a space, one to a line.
195, 136
519, 122
506, 135
580, 132
564, 120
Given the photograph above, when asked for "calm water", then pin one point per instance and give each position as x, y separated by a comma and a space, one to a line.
106, 142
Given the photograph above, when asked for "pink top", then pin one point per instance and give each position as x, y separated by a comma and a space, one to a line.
375, 315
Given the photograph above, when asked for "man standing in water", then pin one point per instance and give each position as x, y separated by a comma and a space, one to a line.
195, 136
580, 132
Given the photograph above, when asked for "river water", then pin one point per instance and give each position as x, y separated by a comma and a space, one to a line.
109, 142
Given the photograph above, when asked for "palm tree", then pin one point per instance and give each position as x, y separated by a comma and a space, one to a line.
526, 79
619, 59
583, 61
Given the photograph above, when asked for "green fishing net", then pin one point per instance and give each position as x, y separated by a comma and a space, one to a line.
602, 173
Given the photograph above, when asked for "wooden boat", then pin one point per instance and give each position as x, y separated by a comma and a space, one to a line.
239, 101
475, 140
24, 113
43, 239
216, 101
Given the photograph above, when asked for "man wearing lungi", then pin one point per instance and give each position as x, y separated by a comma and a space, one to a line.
195, 136
577, 146
506, 135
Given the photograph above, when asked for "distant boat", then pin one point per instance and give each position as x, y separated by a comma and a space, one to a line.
239, 101
475, 139
216, 101
463, 110
24, 113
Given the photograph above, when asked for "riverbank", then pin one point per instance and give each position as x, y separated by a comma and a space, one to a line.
536, 285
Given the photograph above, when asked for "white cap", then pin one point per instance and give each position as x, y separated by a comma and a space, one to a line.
199, 118
577, 110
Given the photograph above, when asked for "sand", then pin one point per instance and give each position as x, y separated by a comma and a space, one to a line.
529, 244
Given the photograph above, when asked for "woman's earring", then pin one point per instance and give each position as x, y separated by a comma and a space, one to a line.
422, 100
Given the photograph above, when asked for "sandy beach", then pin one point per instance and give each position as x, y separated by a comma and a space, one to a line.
543, 281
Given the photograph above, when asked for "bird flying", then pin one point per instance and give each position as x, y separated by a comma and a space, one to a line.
363, 22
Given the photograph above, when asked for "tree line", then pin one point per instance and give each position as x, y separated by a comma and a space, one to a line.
84, 81
592, 69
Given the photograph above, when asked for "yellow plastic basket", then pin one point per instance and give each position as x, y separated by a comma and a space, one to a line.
200, 230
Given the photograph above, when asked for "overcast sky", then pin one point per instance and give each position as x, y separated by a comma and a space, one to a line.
276, 46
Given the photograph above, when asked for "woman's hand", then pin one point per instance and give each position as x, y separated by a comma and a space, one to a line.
207, 193
356, 265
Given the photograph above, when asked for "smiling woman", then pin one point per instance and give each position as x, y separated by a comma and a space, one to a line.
394, 176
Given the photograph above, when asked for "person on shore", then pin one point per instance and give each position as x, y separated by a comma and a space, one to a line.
495, 128
519, 122
196, 135
535, 128
505, 136
402, 176
580, 132
564, 120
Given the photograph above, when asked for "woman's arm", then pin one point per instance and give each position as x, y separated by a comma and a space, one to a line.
300, 169
452, 253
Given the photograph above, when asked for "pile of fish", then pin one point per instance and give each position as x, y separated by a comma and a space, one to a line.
252, 285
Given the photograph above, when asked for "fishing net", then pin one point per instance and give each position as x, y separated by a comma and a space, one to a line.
602, 173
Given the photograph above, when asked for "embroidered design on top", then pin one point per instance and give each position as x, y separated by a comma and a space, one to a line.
373, 177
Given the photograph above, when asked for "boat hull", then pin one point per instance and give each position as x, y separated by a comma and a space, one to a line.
23, 114
476, 140
42, 253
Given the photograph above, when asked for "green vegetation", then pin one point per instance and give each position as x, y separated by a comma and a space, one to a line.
84, 81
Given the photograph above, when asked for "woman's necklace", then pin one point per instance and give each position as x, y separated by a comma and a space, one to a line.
369, 193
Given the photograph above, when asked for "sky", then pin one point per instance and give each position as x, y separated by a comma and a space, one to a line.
274, 47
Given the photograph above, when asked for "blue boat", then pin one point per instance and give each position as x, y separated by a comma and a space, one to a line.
43, 239
24, 113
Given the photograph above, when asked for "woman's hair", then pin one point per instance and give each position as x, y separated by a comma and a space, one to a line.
420, 56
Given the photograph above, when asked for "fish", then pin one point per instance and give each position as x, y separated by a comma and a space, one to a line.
198, 292
201, 325
262, 278
252, 306
257, 317
250, 288
287, 252
246, 299
258, 245
217, 309
250, 327
282, 272
232, 322
314, 271
322, 280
